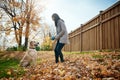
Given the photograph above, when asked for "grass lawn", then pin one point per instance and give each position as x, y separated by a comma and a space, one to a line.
9, 67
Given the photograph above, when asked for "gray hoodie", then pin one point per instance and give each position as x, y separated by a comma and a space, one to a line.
62, 34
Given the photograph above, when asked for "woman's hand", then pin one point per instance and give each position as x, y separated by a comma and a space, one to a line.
52, 38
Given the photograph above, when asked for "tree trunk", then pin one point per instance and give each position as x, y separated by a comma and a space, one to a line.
20, 42
26, 42
20, 36
27, 35
27, 25
16, 35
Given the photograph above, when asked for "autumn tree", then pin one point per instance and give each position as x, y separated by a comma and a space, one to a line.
32, 19
22, 15
14, 9
47, 32
0, 29
4, 30
0, 20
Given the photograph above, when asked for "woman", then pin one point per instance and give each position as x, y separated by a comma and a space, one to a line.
61, 37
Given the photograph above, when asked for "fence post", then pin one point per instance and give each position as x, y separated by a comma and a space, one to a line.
70, 41
81, 38
101, 31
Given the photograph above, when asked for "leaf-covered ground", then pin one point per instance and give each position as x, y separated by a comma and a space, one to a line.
84, 66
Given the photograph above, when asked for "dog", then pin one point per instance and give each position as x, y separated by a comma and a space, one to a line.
30, 57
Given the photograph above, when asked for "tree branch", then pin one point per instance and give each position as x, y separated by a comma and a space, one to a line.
7, 29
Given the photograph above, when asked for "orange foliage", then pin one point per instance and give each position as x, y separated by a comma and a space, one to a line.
73, 68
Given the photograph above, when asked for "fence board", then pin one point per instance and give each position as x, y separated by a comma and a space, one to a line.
119, 28
112, 28
109, 36
116, 33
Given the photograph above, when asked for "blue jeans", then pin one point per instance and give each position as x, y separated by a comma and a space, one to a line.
58, 52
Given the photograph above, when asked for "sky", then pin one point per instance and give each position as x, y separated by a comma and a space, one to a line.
74, 12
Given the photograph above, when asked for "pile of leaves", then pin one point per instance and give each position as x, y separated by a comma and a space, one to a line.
105, 66
93, 66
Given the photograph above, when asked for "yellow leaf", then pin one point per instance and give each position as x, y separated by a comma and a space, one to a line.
9, 72
62, 72
34, 28
7, 32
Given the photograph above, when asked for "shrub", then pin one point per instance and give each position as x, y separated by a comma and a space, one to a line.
46, 48
21, 48
14, 48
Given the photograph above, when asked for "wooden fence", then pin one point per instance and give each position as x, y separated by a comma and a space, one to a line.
101, 32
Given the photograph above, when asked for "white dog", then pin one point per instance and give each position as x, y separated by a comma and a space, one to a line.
30, 57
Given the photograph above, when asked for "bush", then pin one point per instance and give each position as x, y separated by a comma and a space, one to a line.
46, 48
21, 48
14, 48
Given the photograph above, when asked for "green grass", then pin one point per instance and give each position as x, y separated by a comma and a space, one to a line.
93, 54
10, 68
97, 56
79, 52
